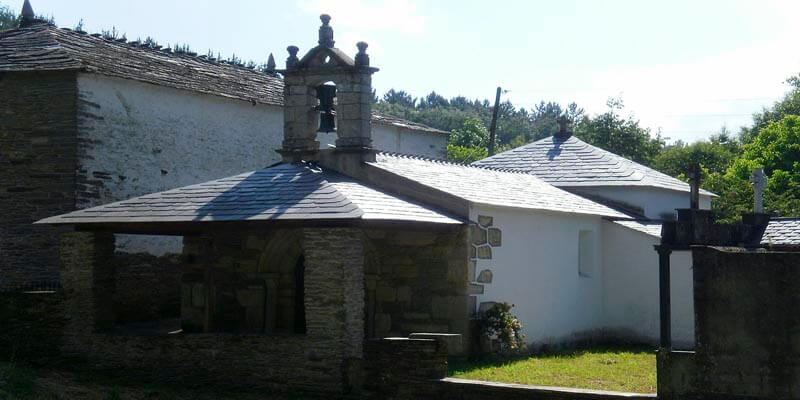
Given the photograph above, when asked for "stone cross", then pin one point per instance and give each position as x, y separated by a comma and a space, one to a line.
759, 182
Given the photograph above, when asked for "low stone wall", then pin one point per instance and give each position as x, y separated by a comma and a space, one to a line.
403, 368
147, 287
676, 374
416, 282
30, 325
746, 304
324, 359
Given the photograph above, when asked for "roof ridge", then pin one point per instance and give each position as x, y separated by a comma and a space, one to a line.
166, 50
453, 163
581, 152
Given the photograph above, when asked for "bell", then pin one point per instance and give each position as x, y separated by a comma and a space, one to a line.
327, 117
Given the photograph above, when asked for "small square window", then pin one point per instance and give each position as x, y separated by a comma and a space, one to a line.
586, 254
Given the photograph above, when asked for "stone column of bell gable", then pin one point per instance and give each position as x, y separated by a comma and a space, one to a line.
334, 293
299, 117
87, 276
354, 112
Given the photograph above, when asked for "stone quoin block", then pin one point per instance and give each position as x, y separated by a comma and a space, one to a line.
477, 234
485, 252
474, 288
485, 221
495, 237
485, 276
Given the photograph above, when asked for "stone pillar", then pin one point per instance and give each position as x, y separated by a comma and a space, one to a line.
300, 119
334, 293
354, 112
665, 303
87, 276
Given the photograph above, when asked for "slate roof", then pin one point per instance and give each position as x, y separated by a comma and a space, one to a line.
490, 186
782, 232
652, 228
45, 47
779, 231
571, 162
281, 192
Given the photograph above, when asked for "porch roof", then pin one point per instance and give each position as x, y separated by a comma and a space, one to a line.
297, 191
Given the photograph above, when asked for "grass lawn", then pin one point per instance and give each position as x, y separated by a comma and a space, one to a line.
625, 369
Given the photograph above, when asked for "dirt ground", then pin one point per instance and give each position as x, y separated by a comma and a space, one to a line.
22, 382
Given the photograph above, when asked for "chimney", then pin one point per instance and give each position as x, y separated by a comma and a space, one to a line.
27, 17
563, 124
309, 98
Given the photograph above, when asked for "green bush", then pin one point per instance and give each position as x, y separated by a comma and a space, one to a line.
498, 321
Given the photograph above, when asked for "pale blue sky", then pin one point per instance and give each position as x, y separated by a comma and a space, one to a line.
687, 67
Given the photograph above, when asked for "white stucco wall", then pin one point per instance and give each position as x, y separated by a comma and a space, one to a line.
536, 268
631, 299
655, 202
399, 140
147, 138
141, 138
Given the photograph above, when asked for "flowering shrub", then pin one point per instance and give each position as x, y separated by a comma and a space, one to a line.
498, 322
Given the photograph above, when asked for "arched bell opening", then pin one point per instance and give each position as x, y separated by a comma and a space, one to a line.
326, 105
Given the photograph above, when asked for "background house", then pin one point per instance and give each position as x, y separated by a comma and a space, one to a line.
624, 277
88, 121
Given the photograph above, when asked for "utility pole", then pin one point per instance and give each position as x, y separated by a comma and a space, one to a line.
493, 126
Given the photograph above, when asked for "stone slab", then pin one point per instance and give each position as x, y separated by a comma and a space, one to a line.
453, 341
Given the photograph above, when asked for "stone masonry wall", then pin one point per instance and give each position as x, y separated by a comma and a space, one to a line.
31, 325
417, 282
38, 131
327, 358
746, 306
147, 287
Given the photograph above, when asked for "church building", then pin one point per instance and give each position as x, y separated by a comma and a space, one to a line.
89, 119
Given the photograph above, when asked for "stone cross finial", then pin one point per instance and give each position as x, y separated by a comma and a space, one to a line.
362, 58
759, 182
563, 121
325, 31
695, 178
28, 17
292, 60
271, 64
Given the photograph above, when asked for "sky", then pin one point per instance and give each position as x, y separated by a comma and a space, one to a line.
686, 68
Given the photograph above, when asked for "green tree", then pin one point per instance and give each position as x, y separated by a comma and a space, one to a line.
468, 143
399, 97
789, 105
621, 136
716, 155
735, 196
776, 148
544, 119
8, 18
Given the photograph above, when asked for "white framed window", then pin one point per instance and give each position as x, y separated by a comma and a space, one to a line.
586, 254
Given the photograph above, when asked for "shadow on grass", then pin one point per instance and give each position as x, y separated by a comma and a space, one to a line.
501, 360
